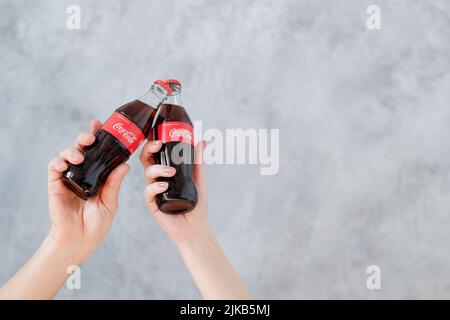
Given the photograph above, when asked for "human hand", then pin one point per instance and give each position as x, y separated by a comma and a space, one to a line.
180, 227
78, 226
78, 223
213, 274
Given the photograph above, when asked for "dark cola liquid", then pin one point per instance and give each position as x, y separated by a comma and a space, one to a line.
181, 195
105, 154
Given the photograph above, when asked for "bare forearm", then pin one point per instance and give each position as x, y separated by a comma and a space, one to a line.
42, 276
213, 274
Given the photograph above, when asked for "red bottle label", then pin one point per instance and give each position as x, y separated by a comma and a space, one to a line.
124, 130
176, 131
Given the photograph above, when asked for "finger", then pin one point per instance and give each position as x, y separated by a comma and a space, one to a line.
151, 191
155, 171
199, 169
147, 152
84, 139
110, 191
73, 155
94, 126
55, 168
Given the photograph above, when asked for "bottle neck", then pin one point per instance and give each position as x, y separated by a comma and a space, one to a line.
153, 99
174, 99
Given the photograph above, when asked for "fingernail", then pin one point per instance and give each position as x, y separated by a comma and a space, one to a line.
169, 170
162, 185
155, 142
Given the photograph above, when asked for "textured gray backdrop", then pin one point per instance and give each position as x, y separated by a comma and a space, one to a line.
364, 120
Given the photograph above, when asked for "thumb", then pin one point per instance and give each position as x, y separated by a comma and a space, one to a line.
110, 191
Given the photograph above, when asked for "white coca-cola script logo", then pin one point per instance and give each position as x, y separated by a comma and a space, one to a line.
128, 135
181, 133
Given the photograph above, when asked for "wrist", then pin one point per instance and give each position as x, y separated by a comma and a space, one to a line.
75, 252
196, 239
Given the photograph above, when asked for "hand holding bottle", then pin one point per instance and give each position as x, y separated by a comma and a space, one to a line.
213, 274
74, 220
180, 227
78, 227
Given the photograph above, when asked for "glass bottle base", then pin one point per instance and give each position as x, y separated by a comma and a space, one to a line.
75, 188
176, 206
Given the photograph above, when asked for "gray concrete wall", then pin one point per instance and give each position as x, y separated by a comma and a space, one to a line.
364, 122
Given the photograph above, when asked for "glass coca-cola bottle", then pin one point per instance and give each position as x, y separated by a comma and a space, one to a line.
173, 127
117, 139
